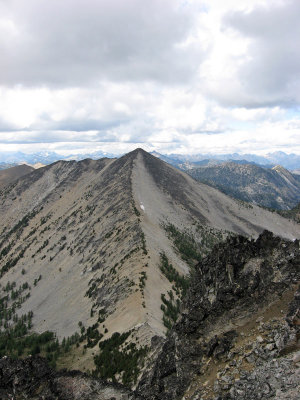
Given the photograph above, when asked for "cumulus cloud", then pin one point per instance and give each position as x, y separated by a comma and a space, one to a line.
269, 73
174, 75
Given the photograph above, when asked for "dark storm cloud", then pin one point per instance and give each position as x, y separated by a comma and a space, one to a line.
77, 42
271, 73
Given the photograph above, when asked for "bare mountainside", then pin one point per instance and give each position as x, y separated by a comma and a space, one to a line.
275, 188
10, 175
99, 247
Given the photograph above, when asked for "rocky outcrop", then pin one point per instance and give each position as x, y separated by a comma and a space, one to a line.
238, 336
33, 379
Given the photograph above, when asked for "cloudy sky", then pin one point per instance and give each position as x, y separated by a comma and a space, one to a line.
177, 76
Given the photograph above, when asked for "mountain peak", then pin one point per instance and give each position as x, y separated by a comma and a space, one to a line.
138, 151
279, 168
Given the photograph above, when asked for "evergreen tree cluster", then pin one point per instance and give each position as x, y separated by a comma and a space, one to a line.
181, 283
118, 358
170, 308
185, 244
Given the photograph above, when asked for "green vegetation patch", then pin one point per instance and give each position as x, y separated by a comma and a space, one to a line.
142, 280
16, 338
118, 358
170, 308
19, 227
185, 244
13, 261
192, 250
136, 211
181, 283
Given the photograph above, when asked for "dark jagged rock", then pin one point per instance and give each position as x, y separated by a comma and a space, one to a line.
293, 315
33, 379
233, 306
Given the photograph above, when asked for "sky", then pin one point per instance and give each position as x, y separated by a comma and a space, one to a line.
175, 76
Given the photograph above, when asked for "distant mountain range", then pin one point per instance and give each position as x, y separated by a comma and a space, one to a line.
288, 161
45, 157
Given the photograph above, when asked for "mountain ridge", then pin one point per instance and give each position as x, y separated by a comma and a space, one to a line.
87, 239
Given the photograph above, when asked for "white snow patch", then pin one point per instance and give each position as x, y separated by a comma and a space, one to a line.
142, 207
